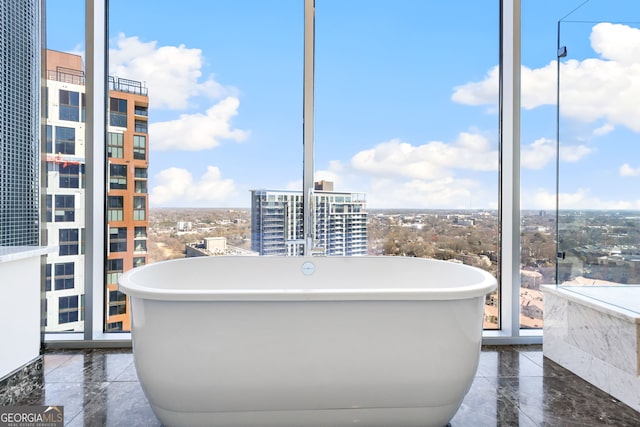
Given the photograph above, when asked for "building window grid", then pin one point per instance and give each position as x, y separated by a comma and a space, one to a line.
69, 105
140, 186
65, 140
279, 218
115, 208
140, 245
140, 110
140, 232
19, 144
140, 126
49, 139
115, 268
68, 241
115, 145
118, 112
47, 276
64, 276
118, 239
118, 177
113, 276
117, 303
49, 208
70, 175
140, 175
83, 108
114, 326
68, 309
139, 208
139, 147
64, 207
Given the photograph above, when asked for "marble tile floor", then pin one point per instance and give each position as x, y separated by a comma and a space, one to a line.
514, 386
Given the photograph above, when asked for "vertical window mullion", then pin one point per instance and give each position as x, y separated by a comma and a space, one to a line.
96, 113
509, 207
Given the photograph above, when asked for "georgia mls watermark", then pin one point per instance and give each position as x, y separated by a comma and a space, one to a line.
31, 416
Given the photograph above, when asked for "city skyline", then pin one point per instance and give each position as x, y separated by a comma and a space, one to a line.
406, 100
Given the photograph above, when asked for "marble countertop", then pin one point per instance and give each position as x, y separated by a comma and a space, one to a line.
14, 253
619, 301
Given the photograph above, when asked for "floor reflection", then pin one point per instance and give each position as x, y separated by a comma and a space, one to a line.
514, 386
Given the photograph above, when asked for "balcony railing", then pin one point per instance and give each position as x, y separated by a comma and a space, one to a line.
128, 86
66, 76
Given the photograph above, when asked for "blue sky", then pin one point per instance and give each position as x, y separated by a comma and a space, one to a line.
406, 98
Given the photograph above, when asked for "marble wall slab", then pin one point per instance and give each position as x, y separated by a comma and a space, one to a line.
24, 381
599, 345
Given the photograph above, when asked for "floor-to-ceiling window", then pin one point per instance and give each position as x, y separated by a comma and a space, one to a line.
218, 132
538, 155
402, 120
224, 117
64, 170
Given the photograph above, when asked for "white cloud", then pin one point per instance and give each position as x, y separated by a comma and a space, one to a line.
573, 153
603, 130
543, 150
616, 42
626, 170
479, 93
176, 187
198, 131
446, 192
398, 174
399, 192
429, 161
581, 199
537, 154
538, 87
173, 74
605, 88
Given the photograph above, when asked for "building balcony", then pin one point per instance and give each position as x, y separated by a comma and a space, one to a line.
128, 86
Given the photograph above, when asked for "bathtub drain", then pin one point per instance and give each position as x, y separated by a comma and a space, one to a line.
308, 268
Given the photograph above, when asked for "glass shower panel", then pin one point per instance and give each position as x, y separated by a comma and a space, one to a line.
406, 131
64, 170
537, 154
599, 170
204, 133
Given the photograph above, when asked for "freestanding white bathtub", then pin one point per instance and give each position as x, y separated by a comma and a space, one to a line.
296, 341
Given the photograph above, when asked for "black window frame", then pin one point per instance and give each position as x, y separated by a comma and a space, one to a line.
69, 105
64, 208
65, 140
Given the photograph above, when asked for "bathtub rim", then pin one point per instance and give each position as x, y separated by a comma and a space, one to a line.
128, 284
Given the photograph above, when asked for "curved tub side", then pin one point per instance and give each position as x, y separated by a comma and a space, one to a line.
415, 357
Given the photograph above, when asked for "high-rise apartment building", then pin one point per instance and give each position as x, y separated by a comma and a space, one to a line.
339, 222
19, 127
127, 201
